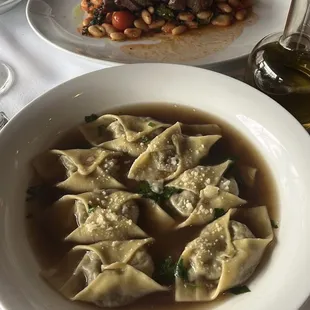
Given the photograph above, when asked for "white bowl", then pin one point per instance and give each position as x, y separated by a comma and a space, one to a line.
283, 284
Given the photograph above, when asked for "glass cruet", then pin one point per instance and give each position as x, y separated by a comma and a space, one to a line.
279, 65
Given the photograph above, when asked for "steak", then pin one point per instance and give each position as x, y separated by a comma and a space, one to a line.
198, 5
131, 5
178, 5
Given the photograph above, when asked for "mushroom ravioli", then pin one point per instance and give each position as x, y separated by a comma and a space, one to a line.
148, 206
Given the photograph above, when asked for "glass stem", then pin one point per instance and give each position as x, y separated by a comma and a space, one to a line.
296, 35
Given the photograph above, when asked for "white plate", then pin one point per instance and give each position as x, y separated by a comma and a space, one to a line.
56, 22
284, 282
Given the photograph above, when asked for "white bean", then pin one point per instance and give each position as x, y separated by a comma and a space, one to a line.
109, 28
186, 16
157, 24
224, 7
205, 15
133, 33
140, 24
151, 9
179, 30
146, 16
96, 31
241, 15
117, 36
222, 20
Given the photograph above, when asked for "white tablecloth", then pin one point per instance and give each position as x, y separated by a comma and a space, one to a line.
39, 66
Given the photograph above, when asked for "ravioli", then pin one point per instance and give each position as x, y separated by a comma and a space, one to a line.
123, 133
225, 255
170, 154
79, 170
116, 273
211, 198
104, 224
71, 211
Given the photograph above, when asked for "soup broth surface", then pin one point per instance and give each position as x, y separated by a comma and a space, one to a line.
49, 251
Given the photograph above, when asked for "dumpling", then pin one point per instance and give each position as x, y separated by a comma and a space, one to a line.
79, 170
211, 198
116, 273
184, 203
119, 284
103, 224
169, 154
71, 211
192, 181
125, 133
198, 178
154, 218
225, 254
120, 144
229, 185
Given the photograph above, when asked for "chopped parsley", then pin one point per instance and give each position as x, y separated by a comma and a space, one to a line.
90, 118
165, 271
151, 124
164, 12
145, 190
274, 224
181, 271
91, 208
218, 212
32, 192
145, 139
239, 290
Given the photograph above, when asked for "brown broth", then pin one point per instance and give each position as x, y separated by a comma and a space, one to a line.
49, 251
190, 46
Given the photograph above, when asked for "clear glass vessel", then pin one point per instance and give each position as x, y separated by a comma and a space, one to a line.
279, 65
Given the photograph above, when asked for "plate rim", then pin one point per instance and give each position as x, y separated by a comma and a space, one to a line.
110, 63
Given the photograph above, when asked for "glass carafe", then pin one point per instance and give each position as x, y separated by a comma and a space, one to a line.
279, 65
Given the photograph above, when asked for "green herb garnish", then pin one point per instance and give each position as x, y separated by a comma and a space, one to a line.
145, 190
218, 212
181, 271
91, 208
164, 12
151, 124
32, 192
145, 139
165, 271
274, 224
239, 290
169, 191
90, 118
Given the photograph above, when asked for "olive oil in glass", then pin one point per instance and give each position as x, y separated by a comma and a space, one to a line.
279, 65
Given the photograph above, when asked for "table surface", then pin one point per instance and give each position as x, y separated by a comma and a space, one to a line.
38, 66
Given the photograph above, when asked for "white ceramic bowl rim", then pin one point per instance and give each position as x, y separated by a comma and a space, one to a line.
284, 283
